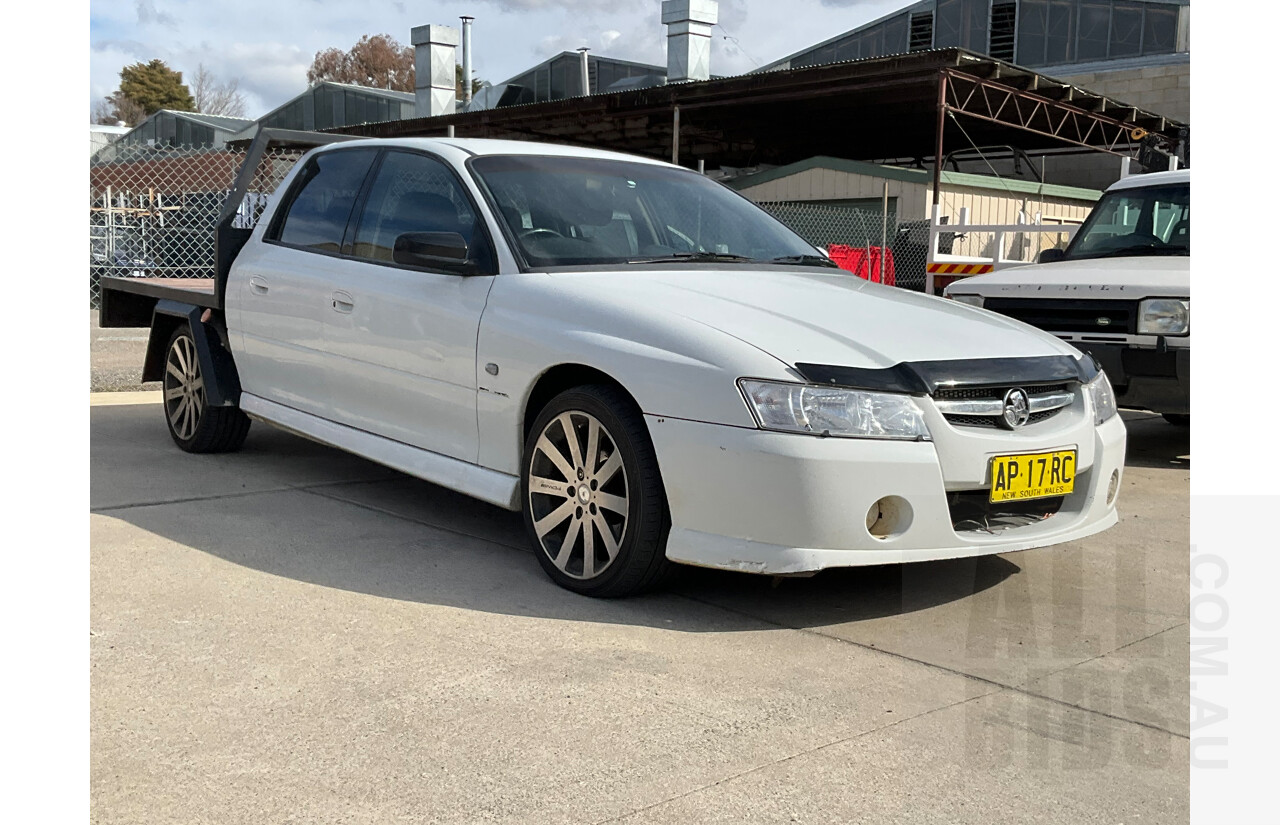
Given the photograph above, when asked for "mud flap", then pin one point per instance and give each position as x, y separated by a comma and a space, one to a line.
221, 379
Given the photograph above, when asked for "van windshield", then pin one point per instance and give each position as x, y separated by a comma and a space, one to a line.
1151, 220
573, 211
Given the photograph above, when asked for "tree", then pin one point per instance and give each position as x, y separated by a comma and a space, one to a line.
476, 83
152, 86
379, 61
104, 113
116, 108
215, 97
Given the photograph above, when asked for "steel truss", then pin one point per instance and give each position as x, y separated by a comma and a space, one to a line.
1082, 125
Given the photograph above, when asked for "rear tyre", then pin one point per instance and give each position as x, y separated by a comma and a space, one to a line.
1178, 419
594, 505
195, 426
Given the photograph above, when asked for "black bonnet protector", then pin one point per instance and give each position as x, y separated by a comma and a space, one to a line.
926, 377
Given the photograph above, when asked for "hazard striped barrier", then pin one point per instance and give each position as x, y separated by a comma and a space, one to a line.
960, 269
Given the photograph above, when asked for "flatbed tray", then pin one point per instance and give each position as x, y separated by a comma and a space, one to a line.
130, 302
198, 291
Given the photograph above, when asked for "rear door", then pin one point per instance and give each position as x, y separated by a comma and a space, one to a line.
401, 339
281, 285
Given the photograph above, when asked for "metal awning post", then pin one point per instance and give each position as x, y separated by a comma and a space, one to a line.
942, 122
675, 136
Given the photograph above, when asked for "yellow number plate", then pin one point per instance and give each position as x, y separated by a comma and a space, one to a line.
1035, 475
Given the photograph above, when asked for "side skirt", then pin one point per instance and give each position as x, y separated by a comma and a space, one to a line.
469, 479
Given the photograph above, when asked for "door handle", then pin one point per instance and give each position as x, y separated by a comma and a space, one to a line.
343, 302
258, 285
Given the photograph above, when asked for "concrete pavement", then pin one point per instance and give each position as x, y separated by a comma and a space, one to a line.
289, 633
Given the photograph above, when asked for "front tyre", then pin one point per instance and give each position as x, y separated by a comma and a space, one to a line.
1178, 419
594, 505
195, 426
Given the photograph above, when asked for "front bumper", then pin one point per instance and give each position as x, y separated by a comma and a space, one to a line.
777, 503
1146, 378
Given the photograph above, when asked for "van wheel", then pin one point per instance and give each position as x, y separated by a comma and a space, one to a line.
194, 425
594, 505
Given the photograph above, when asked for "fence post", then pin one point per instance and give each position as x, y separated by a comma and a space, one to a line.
110, 221
884, 229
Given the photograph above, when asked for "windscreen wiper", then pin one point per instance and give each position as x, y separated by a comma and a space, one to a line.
693, 257
1139, 250
817, 260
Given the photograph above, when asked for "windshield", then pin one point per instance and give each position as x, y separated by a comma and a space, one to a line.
1153, 220
566, 211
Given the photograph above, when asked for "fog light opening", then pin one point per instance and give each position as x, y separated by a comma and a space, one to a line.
1113, 487
889, 517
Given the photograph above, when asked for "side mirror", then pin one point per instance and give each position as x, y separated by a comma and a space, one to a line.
1052, 256
433, 250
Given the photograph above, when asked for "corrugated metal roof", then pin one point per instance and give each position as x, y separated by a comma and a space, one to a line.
227, 124
661, 70
390, 94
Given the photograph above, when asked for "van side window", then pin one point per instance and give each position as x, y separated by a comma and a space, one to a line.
416, 193
322, 199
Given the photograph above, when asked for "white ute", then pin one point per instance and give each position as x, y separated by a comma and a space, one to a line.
1121, 291
649, 366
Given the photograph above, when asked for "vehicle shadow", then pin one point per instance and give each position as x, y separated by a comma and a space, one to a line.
358, 527
1154, 442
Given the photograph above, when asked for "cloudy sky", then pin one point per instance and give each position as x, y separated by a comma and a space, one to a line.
269, 45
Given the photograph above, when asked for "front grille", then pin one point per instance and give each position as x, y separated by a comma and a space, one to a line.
973, 393
990, 422
1054, 315
996, 394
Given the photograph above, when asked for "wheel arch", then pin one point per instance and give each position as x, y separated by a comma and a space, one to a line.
556, 380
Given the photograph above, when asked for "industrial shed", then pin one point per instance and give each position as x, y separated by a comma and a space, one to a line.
855, 183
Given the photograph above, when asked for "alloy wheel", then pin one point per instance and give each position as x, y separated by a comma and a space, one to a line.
183, 388
578, 494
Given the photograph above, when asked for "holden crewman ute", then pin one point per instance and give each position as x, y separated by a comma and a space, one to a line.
647, 365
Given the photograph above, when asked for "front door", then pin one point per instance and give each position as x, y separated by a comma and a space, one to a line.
401, 338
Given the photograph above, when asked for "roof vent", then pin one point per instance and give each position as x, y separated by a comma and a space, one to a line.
1004, 18
435, 85
689, 25
921, 32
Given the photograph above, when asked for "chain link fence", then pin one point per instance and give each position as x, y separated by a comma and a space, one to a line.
844, 231
152, 211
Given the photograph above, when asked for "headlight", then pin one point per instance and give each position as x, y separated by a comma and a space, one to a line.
1164, 316
803, 408
971, 300
1102, 396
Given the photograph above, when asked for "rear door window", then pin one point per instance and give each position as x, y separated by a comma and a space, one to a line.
320, 202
